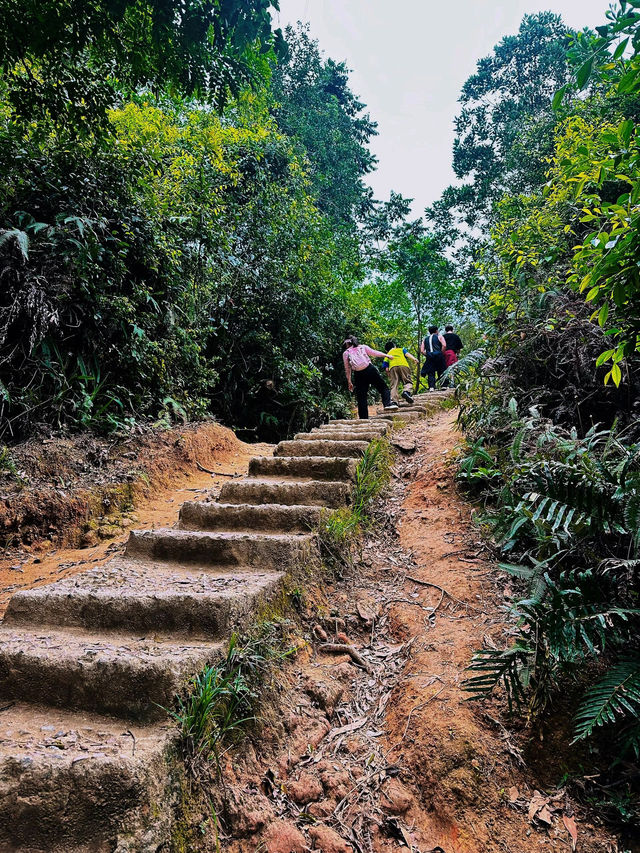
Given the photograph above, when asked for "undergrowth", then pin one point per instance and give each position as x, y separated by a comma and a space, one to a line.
563, 510
222, 700
340, 530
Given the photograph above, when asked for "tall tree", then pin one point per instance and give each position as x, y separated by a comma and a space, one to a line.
315, 105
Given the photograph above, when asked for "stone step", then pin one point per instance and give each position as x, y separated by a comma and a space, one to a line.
72, 782
430, 396
307, 467
288, 492
355, 423
321, 447
416, 407
207, 515
119, 674
371, 427
344, 434
398, 416
140, 596
212, 548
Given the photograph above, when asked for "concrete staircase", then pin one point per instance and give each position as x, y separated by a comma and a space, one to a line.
89, 664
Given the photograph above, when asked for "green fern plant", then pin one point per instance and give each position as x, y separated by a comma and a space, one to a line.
613, 699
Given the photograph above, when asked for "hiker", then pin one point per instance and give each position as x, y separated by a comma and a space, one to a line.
357, 359
451, 354
433, 347
397, 367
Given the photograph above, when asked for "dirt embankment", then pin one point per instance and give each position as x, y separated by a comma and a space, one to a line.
375, 748
71, 502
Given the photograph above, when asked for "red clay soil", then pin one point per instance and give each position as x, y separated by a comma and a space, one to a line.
79, 496
373, 747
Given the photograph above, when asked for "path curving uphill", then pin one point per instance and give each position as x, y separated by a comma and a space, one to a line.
89, 663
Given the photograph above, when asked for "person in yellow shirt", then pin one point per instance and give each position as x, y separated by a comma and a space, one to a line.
397, 367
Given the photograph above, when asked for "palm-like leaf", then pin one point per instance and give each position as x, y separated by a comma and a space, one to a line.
615, 696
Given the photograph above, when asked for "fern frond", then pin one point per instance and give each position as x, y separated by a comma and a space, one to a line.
616, 695
510, 666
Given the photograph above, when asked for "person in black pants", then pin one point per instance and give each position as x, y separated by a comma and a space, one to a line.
361, 375
433, 347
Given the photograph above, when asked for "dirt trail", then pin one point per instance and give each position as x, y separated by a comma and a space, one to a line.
394, 757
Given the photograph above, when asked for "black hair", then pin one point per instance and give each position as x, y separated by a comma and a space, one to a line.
390, 345
351, 341
433, 330
448, 328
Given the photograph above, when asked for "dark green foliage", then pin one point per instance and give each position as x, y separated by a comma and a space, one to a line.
68, 59
158, 260
569, 508
615, 696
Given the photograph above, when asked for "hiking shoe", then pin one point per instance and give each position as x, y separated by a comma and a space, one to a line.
392, 407
407, 396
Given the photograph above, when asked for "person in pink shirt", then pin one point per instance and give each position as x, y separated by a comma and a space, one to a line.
361, 374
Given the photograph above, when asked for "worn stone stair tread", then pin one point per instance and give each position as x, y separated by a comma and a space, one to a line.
391, 416
287, 491
212, 515
340, 435
71, 780
321, 447
144, 595
225, 548
353, 423
415, 407
120, 674
314, 467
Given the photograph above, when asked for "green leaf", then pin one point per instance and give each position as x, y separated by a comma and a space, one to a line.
593, 293
625, 130
621, 48
604, 356
584, 73
604, 313
616, 375
628, 81
558, 97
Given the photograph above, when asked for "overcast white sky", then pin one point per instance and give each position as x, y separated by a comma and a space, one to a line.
409, 59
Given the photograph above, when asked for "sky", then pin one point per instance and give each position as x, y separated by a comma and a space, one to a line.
409, 59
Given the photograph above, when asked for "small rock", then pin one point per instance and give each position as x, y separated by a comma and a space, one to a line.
89, 539
320, 633
337, 783
284, 837
326, 693
305, 790
328, 841
396, 799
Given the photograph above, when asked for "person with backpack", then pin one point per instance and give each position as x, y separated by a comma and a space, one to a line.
451, 354
433, 347
397, 367
361, 375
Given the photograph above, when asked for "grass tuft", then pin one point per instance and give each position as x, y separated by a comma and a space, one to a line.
223, 698
339, 530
